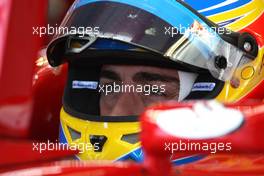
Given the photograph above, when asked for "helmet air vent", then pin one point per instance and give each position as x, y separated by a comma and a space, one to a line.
130, 138
74, 134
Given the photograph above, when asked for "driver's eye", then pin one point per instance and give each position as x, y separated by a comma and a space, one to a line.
153, 92
159, 92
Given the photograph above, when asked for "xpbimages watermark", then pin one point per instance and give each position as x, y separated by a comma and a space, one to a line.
64, 30
127, 88
212, 147
53, 146
181, 30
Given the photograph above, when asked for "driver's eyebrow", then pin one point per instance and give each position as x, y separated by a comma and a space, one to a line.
109, 74
147, 76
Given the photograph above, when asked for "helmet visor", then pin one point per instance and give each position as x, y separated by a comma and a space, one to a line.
190, 41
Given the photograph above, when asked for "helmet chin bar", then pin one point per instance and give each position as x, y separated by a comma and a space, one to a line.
205, 123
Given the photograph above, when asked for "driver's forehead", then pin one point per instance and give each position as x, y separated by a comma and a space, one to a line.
138, 71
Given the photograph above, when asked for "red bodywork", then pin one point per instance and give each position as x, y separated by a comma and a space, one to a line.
30, 102
246, 158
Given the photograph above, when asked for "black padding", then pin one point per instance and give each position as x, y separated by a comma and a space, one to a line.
125, 57
82, 100
206, 78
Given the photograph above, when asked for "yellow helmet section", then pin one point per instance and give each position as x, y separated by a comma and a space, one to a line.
247, 14
121, 137
244, 80
251, 74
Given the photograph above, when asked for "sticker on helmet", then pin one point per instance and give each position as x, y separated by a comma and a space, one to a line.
203, 86
84, 84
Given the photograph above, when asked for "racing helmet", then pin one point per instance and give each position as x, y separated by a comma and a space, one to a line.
213, 61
